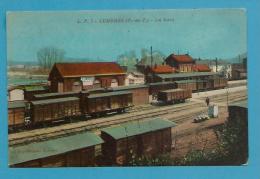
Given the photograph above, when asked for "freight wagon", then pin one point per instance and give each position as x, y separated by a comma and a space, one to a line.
186, 84
16, 114
148, 138
71, 151
140, 93
49, 110
218, 83
155, 88
174, 95
102, 103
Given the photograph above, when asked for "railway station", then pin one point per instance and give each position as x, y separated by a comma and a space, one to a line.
90, 117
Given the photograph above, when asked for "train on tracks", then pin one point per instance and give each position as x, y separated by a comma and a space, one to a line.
66, 107
69, 106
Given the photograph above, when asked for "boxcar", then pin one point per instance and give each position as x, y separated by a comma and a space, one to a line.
148, 138
54, 109
155, 88
16, 113
102, 103
71, 151
218, 83
202, 85
186, 84
140, 93
174, 95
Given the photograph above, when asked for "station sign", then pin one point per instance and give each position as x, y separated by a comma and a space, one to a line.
87, 80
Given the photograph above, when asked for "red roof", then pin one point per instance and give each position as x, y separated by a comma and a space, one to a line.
162, 69
181, 58
89, 68
201, 68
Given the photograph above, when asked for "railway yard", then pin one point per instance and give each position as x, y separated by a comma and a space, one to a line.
186, 133
107, 126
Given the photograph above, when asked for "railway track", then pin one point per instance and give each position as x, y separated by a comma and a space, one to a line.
95, 124
42, 134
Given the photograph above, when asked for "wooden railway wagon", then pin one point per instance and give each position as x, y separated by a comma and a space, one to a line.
186, 84
155, 88
203, 85
148, 138
71, 151
54, 109
140, 93
217, 83
102, 103
16, 114
174, 95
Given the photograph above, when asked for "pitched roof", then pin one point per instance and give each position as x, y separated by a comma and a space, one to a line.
33, 151
136, 128
201, 68
162, 69
180, 58
88, 69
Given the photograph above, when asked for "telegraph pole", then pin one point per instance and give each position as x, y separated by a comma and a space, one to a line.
151, 56
216, 61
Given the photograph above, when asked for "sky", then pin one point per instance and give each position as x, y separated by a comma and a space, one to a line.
204, 33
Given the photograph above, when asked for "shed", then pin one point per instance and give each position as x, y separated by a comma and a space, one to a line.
142, 138
71, 151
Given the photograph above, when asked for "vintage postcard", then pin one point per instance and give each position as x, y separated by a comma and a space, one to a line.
127, 88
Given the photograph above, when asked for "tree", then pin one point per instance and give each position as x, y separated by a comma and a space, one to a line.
127, 59
47, 56
158, 57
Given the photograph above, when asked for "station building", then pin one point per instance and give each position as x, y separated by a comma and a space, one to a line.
183, 63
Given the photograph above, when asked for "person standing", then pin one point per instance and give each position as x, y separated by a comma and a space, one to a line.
207, 101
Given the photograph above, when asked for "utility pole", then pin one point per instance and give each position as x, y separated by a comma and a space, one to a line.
216, 61
151, 56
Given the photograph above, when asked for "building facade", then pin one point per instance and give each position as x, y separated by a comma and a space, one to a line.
134, 78
66, 77
182, 63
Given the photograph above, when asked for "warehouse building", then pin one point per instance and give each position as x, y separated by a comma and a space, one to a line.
66, 77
